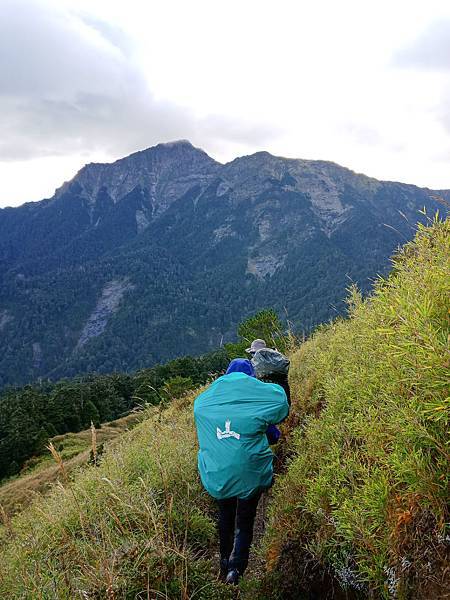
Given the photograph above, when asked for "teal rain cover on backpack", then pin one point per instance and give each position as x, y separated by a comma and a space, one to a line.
232, 416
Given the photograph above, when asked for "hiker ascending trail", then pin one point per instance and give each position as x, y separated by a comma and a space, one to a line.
270, 365
234, 459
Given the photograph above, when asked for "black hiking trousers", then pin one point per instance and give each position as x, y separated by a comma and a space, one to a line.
236, 520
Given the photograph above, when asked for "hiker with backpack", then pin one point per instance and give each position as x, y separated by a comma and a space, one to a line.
234, 460
270, 365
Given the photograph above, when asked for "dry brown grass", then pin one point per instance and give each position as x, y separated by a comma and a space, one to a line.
17, 494
137, 526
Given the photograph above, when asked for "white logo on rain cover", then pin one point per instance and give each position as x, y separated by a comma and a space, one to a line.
227, 433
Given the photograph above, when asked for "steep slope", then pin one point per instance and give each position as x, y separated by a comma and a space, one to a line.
362, 508
162, 253
133, 526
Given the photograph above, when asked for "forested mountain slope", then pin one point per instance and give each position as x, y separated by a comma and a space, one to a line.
162, 253
358, 510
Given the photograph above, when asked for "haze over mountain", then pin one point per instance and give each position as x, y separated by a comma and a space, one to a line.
163, 252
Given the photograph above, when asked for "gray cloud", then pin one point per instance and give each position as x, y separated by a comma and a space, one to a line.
69, 84
368, 136
431, 50
363, 134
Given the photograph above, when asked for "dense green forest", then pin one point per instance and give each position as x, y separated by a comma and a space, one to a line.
30, 415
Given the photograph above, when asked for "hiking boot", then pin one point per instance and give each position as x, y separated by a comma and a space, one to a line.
232, 577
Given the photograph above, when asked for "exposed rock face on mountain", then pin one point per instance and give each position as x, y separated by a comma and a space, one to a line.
107, 305
161, 254
163, 175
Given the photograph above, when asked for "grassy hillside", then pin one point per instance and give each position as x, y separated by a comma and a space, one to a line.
40, 472
363, 504
357, 510
133, 525
30, 415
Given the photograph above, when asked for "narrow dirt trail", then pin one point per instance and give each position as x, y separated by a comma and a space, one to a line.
256, 563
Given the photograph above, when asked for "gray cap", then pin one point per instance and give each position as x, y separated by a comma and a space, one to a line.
256, 345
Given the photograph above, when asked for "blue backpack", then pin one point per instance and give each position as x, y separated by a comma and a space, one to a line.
232, 417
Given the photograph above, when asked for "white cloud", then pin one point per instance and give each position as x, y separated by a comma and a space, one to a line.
430, 50
362, 84
70, 84
429, 54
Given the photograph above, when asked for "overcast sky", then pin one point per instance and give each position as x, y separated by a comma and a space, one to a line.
364, 84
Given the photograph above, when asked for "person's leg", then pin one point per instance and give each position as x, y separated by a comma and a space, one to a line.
246, 512
227, 518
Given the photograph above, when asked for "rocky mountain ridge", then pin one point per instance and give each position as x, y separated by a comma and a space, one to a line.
163, 252
166, 172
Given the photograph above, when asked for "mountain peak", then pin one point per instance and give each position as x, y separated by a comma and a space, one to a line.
176, 164
176, 143
160, 244
177, 148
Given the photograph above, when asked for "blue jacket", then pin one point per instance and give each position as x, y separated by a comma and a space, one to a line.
232, 417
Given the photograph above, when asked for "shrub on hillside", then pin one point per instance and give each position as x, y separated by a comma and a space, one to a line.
265, 325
